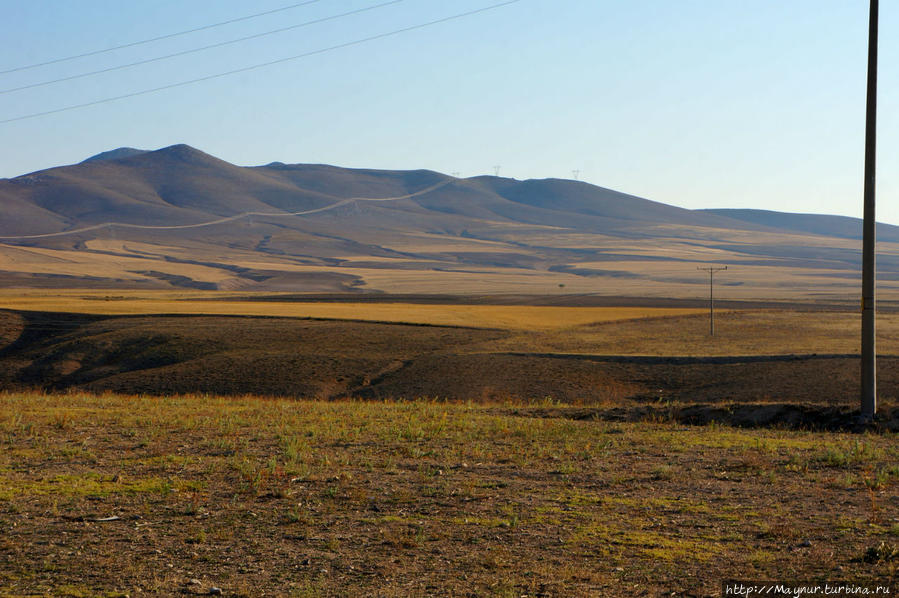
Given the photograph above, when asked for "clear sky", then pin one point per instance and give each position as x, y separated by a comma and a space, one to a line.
696, 103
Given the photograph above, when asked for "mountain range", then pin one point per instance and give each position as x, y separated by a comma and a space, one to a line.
180, 218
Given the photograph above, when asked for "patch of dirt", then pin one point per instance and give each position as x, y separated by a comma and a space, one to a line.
11, 327
177, 280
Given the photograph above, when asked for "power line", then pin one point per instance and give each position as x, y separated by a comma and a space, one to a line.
261, 65
200, 49
156, 39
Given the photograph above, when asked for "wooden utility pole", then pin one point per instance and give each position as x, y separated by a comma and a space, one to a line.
711, 270
869, 355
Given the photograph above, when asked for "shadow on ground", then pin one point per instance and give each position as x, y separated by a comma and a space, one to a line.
327, 359
745, 415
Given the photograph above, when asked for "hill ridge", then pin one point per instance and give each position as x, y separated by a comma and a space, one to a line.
120, 153
177, 216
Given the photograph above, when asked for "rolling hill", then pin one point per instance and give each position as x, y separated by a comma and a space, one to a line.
178, 217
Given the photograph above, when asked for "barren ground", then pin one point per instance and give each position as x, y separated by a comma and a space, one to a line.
758, 355
117, 495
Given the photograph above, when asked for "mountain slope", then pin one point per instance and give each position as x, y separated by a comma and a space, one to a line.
818, 224
182, 185
183, 218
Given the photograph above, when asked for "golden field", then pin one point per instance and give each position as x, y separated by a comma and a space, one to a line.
514, 317
420, 265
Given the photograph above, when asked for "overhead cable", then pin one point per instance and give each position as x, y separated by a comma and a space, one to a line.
200, 49
261, 65
156, 39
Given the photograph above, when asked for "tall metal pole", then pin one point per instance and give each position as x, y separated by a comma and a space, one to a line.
869, 355
711, 271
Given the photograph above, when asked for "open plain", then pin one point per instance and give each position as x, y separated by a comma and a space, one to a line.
550, 447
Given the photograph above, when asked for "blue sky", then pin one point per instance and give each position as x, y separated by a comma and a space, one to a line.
727, 103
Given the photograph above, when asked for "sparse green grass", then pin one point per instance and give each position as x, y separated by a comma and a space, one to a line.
417, 497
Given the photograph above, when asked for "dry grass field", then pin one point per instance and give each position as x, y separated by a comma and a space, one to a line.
136, 495
738, 332
419, 263
519, 317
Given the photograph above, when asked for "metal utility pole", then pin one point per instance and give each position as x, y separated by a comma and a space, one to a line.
576, 174
496, 169
869, 355
711, 270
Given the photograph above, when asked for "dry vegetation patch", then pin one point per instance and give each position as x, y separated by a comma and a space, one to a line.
737, 332
115, 495
513, 317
